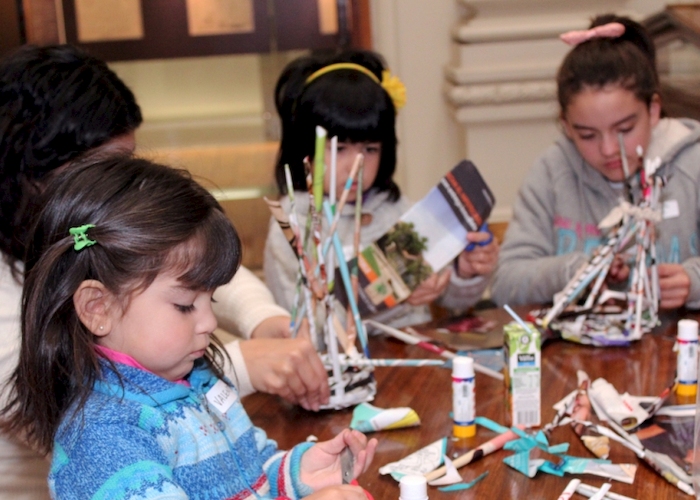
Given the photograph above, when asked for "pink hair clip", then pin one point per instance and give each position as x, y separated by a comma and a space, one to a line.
610, 30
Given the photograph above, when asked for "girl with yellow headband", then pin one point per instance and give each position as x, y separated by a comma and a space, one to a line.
354, 97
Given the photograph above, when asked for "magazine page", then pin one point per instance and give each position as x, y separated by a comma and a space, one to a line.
427, 238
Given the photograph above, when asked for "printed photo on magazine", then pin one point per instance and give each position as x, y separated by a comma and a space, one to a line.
671, 436
428, 237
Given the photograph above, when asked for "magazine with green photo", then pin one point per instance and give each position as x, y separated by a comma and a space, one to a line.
428, 237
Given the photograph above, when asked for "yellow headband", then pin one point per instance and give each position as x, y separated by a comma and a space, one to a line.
391, 84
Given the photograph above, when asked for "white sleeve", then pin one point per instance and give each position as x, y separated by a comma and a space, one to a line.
237, 372
243, 303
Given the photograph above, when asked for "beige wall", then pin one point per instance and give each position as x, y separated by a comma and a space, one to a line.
216, 86
414, 37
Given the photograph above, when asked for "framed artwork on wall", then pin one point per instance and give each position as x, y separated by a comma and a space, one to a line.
156, 29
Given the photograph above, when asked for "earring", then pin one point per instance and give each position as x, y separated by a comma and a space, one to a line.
102, 327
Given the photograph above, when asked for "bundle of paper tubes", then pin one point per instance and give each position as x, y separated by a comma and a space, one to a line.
351, 380
586, 310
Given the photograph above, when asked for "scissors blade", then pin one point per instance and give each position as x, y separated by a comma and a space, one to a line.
347, 464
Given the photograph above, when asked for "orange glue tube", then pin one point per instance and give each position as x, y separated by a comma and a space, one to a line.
463, 397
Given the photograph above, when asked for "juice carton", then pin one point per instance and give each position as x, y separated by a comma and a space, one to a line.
522, 350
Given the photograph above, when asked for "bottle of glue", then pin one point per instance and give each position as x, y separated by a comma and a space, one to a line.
687, 347
413, 487
463, 405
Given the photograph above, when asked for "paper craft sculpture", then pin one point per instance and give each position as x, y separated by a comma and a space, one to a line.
428, 237
315, 292
582, 311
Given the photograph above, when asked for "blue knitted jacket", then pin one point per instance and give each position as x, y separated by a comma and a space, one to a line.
157, 439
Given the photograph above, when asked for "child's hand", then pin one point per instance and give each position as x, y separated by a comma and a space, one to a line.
289, 368
674, 284
430, 289
320, 465
481, 260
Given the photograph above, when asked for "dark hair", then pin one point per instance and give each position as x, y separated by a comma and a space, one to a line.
148, 218
628, 60
56, 103
346, 102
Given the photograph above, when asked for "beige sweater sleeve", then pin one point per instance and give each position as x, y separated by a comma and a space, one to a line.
244, 303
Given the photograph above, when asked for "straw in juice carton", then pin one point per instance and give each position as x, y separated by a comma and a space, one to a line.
522, 349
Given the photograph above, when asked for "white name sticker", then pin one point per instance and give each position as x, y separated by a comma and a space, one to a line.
221, 396
670, 209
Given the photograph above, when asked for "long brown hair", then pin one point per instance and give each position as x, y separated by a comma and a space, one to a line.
147, 218
628, 60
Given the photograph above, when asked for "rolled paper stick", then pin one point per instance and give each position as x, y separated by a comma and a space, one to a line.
600, 494
588, 491
291, 232
665, 471
517, 318
319, 166
354, 278
309, 281
625, 167
481, 451
569, 490
349, 348
334, 171
359, 159
583, 276
330, 264
410, 339
332, 341
345, 275
392, 362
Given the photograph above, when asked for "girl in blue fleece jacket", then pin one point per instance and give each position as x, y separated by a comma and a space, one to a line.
119, 375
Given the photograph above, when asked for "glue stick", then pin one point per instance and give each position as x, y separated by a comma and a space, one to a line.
413, 487
687, 368
463, 397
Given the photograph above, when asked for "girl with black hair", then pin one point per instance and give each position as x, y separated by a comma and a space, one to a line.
608, 88
353, 96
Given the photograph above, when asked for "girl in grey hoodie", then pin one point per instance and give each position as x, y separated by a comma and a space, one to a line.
607, 86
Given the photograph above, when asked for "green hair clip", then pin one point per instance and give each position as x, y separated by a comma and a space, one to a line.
80, 237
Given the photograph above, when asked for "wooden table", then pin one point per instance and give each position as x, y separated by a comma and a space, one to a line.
644, 368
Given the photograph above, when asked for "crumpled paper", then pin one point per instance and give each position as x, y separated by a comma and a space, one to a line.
420, 462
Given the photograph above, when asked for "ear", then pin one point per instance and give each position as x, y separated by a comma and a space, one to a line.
95, 306
655, 109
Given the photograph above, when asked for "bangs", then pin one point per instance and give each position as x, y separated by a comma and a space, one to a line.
210, 258
355, 111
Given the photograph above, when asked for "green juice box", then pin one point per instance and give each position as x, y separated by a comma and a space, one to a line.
522, 350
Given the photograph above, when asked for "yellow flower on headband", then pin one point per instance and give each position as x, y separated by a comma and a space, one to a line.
395, 88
